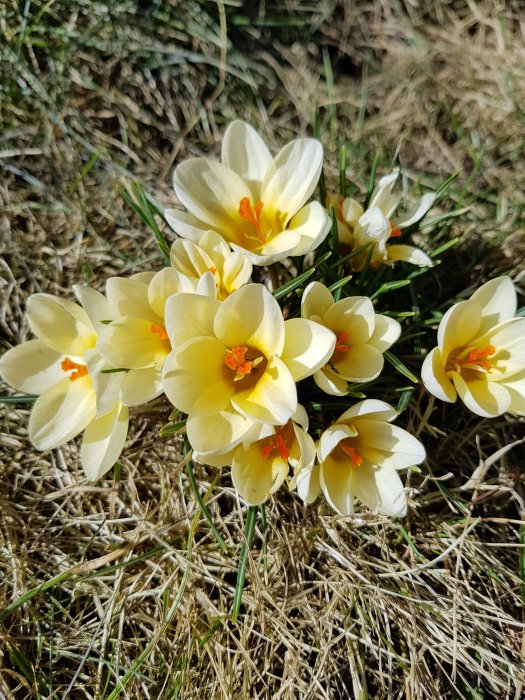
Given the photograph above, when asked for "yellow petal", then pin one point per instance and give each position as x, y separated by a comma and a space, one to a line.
316, 300
331, 438
186, 225
409, 254
60, 324
251, 316
189, 258
31, 367
219, 433
62, 412
273, 399
165, 283
312, 224
95, 305
244, 152
383, 443
359, 364
133, 343
307, 347
336, 483
103, 442
458, 327
386, 332
106, 384
255, 477
189, 316
435, 378
380, 489
308, 484
141, 385
484, 398
371, 408
196, 379
355, 315
497, 299
129, 297
330, 382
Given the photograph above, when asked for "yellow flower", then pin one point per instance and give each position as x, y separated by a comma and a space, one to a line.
258, 205
63, 367
480, 354
230, 270
377, 226
136, 339
359, 456
239, 354
362, 337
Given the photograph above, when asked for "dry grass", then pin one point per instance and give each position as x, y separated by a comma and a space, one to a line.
140, 590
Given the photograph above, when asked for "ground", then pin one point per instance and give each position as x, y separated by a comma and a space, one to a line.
119, 588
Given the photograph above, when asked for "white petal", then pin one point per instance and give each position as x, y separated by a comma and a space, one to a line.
336, 483
211, 192
497, 299
409, 254
373, 225
380, 489
244, 152
330, 382
308, 346
382, 194
190, 258
95, 304
166, 283
386, 331
31, 367
312, 224
218, 433
352, 211
384, 443
371, 408
60, 324
106, 384
355, 315
103, 442
316, 300
141, 385
425, 203
435, 378
308, 484
487, 399
186, 225
256, 478
62, 412
331, 438
129, 297
189, 316
214, 459
458, 327
273, 399
236, 272
293, 176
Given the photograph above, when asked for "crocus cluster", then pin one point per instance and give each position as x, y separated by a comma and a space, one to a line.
236, 362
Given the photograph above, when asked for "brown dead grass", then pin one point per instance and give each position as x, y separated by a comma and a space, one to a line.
357, 607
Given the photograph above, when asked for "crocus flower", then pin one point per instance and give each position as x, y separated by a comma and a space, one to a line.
359, 456
480, 354
256, 203
239, 354
136, 339
230, 270
362, 337
63, 367
377, 226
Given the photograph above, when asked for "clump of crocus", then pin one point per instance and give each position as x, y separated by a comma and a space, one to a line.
480, 355
257, 203
359, 457
378, 228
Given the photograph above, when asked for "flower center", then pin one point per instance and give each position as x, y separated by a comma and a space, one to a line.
340, 345
476, 357
67, 365
355, 457
277, 443
253, 216
235, 360
160, 331
395, 232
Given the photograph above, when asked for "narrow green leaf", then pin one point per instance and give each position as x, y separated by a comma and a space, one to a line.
371, 182
298, 281
341, 283
114, 369
389, 287
400, 367
342, 171
334, 230
18, 399
137, 199
171, 429
204, 507
249, 531
445, 246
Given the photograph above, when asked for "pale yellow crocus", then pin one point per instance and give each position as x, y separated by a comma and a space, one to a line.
257, 203
362, 336
377, 227
63, 367
239, 354
359, 457
480, 355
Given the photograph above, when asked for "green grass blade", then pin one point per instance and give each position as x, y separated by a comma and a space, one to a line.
204, 507
291, 285
400, 367
249, 530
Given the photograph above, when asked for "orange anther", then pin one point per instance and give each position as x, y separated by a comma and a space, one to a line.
160, 331
395, 232
235, 360
212, 269
277, 443
252, 215
356, 458
476, 357
67, 364
340, 345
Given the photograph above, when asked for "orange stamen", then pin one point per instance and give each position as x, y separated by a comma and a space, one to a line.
160, 331
67, 364
277, 443
235, 360
394, 231
340, 345
252, 215
356, 458
212, 269
476, 357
